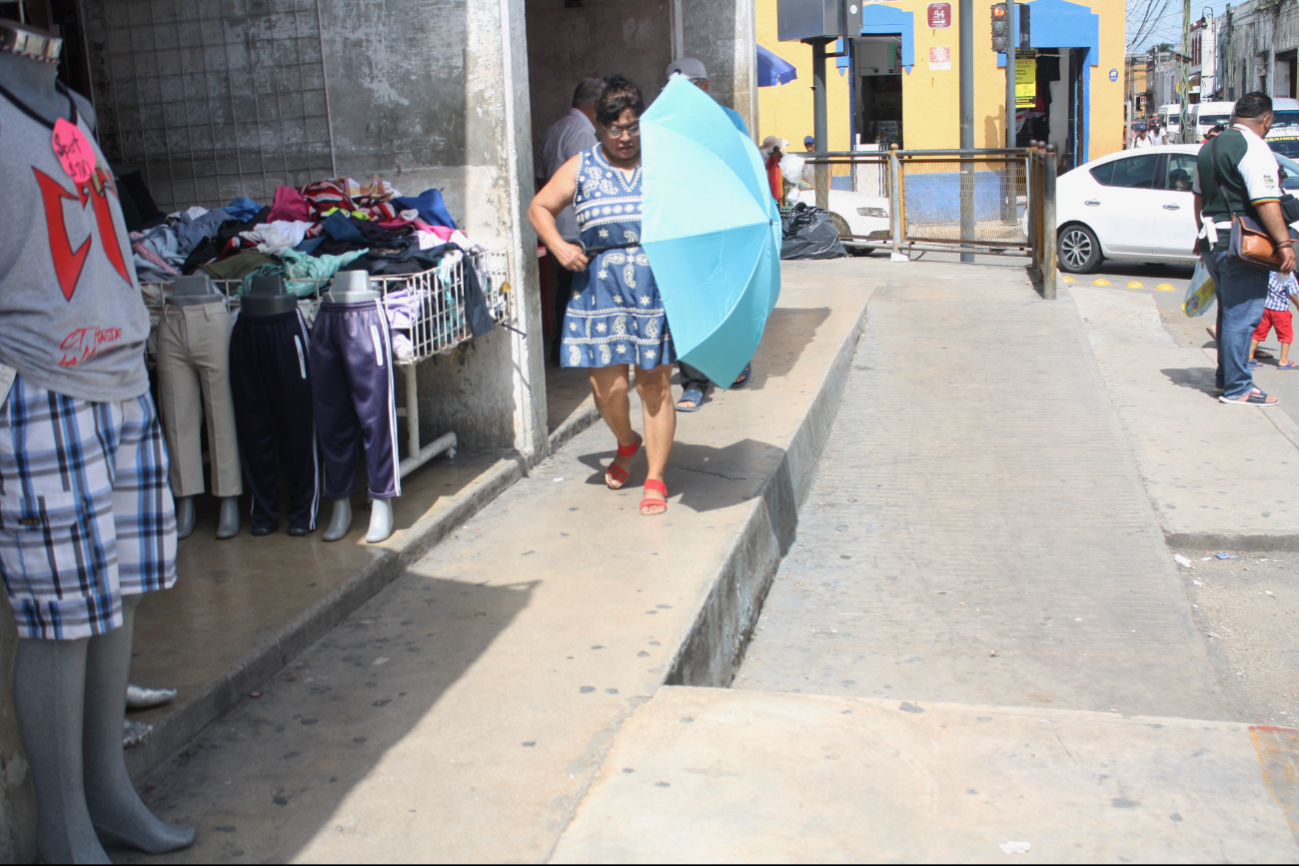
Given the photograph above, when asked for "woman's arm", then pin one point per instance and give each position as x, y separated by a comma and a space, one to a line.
553, 198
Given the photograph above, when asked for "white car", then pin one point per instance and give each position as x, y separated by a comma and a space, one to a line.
1134, 205
856, 214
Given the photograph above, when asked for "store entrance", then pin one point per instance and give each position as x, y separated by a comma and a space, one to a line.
1058, 113
877, 102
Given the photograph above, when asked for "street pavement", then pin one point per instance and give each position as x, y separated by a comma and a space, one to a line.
978, 532
976, 644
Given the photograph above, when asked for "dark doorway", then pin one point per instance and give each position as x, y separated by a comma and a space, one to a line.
877, 100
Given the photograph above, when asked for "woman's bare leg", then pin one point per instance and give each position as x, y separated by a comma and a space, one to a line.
611, 389
655, 390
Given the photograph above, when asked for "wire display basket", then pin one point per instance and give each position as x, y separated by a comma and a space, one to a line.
427, 311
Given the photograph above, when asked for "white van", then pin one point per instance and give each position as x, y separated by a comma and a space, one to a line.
1170, 118
1285, 118
1207, 115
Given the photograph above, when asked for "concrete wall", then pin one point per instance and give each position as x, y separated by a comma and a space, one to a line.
723, 34
598, 38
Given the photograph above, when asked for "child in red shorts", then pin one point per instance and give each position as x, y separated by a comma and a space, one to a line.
1281, 292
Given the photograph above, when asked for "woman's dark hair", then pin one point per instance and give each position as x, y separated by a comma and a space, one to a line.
619, 95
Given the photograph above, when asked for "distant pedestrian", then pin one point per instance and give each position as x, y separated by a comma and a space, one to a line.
1238, 174
1142, 139
694, 383
567, 137
1281, 292
615, 316
1157, 135
1214, 131
809, 143
772, 153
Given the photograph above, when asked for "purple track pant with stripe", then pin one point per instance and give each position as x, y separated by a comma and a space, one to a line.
351, 384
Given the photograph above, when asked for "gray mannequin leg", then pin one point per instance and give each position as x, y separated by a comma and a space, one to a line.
340, 521
50, 694
115, 807
228, 521
380, 521
184, 516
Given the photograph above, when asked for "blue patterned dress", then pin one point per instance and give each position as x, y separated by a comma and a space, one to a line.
615, 315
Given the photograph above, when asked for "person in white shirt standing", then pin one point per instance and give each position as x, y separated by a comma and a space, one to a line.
1157, 134
565, 139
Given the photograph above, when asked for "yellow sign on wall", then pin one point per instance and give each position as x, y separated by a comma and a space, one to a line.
1025, 80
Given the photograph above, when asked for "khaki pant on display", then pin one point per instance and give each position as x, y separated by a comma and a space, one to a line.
194, 381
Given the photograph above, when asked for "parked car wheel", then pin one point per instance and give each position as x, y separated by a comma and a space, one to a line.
1077, 250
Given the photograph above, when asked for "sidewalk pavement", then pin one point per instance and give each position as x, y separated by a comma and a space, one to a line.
1217, 478
490, 703
461, 714
711, 775
978, 532
245, 607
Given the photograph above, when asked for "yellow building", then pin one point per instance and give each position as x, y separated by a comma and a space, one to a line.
900, 80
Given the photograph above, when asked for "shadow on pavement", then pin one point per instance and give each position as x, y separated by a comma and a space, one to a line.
1195, 378
333, 716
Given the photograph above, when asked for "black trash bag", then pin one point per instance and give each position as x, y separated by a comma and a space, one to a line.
810, 233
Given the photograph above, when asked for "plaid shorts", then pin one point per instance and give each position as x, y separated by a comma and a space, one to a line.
86, 515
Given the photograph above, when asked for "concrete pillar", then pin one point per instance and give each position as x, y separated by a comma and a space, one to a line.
723, 34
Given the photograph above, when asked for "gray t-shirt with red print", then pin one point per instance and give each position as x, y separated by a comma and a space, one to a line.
72, 319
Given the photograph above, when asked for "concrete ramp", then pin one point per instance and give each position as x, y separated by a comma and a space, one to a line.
710, 775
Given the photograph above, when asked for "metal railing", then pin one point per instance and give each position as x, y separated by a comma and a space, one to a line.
991, 202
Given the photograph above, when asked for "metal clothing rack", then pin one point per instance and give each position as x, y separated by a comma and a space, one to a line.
434, 300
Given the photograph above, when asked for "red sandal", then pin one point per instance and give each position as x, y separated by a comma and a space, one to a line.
616, 472
657, 487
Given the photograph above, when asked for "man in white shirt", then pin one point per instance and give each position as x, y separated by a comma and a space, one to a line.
1157, 134
565, 139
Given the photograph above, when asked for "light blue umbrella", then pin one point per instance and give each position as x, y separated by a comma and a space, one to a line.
774, 69
711, 230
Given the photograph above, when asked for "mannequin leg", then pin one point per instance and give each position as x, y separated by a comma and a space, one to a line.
340, 521
114, 805
380, 521
184, 516
227, 523
50, 694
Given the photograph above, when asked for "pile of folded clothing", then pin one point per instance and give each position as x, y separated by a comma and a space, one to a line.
307, 235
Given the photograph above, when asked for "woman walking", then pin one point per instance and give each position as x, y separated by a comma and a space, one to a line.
615, 317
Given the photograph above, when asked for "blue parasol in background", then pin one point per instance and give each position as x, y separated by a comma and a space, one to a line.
773, 69
711, 230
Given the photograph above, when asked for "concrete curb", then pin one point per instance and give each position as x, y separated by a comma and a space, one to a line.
262, 662
712, 653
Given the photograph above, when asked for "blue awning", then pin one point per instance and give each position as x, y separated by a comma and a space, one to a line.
773, 70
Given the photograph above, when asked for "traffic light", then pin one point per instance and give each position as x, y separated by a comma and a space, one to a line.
1000, 29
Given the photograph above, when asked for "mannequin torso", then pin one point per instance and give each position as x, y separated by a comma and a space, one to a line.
194, 289
350, 287
266, 297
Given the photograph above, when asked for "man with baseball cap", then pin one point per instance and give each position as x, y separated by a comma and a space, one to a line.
694, 383
694, 70
809, 143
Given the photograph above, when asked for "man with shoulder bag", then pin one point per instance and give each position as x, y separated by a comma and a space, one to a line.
1243, 236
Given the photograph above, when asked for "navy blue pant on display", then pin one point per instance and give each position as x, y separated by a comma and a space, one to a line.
351, 380
271, 387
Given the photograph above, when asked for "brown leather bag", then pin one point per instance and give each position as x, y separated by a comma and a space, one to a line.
1252, 245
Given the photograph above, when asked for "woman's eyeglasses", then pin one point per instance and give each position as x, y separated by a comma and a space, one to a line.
616, 132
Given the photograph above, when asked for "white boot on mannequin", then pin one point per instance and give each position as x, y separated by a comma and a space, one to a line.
340, 520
